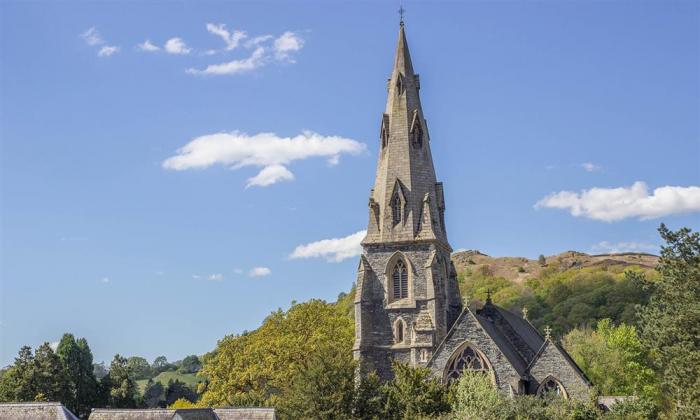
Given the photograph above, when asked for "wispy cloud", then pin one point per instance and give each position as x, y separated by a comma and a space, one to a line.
176, 46
231, 39
613, 204
264, 150
259, 272
255, 41
591, 167
216, 277
255, 60
93, 38
281, 49
107, 51
148, 46
606, 247
105, 280
333, 250
286, 44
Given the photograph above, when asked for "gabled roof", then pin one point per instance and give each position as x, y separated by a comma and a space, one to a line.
35, 411
184, 414
548, 342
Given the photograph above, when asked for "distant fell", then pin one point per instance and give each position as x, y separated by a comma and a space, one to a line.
520, 269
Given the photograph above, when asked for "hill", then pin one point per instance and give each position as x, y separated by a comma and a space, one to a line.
190, 379
519, 269
568, 290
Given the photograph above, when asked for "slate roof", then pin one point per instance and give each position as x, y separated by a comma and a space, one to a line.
35, 411
184, 414
516, 337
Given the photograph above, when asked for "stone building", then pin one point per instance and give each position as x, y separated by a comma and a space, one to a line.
407, 304
35, 411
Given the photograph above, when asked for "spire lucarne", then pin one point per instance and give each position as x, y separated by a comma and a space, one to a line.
407, 295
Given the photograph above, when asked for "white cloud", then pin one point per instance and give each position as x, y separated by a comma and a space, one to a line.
105, 280
254, 42
231, 39
259, 272
176, 46
612, 204
107, 51
256, 59
196, 276
264, 150
270, 175
216, 277
286, 44
147, 45
238, 270
606, 247
333, 250
92, 37
591, 167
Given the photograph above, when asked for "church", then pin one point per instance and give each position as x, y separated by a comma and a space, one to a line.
408, 306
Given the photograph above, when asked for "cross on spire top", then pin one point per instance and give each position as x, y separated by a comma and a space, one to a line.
547, 332
401, 13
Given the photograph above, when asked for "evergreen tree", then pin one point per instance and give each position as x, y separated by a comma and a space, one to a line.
17, 383
77, 359
154, 394
50, 377
414, 393
670, 322
122, 388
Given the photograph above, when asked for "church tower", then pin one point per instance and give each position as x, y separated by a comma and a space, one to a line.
406, 296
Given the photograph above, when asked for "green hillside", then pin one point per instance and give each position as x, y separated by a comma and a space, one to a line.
190, 379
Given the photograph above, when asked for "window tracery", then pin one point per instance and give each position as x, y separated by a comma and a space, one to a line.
400, 280
467, 359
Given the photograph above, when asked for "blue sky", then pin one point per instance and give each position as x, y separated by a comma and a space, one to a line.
110, 233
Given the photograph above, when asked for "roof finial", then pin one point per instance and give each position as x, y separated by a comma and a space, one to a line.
547, 333
401, 12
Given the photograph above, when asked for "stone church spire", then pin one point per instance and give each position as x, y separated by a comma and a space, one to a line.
406, 296
407, 203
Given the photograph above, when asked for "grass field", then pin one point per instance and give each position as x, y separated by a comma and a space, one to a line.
190, 379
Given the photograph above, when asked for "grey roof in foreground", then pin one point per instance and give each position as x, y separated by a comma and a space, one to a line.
35, 411
184, 414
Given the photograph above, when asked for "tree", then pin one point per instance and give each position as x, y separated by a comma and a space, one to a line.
615, 360
99, 370
50, 376
190, 364
122, 388
414, 393
77, 360
670, 322
257, 368
369, 400
139, 367
17, 383
177, 390
323, 391
154, 394
542, 260
160, 364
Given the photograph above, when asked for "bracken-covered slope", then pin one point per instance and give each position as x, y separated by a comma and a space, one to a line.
519, 269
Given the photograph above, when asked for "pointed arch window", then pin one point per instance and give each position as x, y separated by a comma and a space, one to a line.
551, 386
467, 359
399, 84
399, 280
417, 136
399, 331
396, 215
